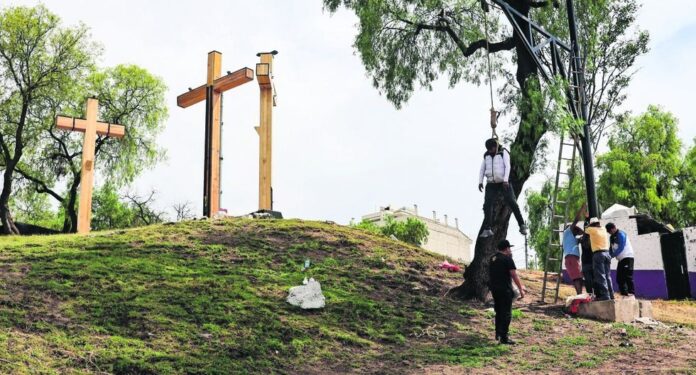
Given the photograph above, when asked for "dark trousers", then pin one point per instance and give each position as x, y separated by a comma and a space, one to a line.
601, 263
588, 277
493, 190
502, 300
624, 276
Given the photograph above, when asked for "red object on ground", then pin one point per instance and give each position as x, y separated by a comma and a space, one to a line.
450, 267
575, 304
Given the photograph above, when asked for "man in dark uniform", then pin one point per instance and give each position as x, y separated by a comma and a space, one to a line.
502, 272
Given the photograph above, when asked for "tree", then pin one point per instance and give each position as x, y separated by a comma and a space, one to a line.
643, 166
110, 211
113, 211
184, 211
38, 60
538, 206
411, 230
408, 43
687, 188
127, 95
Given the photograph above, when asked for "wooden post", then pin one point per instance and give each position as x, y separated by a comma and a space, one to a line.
264, 76
91, 127
211, 92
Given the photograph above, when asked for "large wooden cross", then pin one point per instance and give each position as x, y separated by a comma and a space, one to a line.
211, 92
91, 127
264, 76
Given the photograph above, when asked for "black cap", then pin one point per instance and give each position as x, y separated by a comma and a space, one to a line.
504, 244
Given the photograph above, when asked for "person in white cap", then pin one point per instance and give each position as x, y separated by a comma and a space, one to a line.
601, 260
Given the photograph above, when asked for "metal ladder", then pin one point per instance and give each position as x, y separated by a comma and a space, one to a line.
565, 167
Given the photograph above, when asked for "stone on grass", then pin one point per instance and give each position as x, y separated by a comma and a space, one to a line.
308, 296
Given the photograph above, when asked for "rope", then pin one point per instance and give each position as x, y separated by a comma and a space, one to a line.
73, 124
494, 113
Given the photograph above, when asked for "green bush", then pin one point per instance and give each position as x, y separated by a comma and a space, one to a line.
412, 230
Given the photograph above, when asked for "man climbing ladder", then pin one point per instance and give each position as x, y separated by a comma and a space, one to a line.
496, 168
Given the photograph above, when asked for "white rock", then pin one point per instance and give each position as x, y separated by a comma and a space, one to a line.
307, 296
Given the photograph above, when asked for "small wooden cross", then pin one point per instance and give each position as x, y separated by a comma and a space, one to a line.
264, 76
211, 92
91, 127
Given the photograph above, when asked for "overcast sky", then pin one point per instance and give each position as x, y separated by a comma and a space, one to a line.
340, 149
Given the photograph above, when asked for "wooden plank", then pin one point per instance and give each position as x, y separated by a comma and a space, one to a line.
263, 74
87, 174
233, 80
192, 97
214, 66
66, 123
216, 142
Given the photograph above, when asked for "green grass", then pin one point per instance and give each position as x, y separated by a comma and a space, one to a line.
209, 297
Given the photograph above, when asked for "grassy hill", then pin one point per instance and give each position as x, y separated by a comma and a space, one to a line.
208, 297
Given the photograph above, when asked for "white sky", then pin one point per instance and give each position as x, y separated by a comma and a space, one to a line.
340, 150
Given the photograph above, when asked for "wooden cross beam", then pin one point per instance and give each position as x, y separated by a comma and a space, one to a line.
264, 76
91, 127
211, 92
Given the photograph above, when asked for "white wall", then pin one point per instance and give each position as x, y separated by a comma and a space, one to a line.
442, 239
690, 241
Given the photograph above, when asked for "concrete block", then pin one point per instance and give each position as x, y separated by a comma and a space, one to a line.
645, 309
624, 311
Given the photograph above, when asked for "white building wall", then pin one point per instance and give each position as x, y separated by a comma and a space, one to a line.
690, 242
442, 238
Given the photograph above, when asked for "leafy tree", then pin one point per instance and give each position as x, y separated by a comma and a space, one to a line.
112, 211
643, 165
687, 188
405, 44
538, 205
127, 95
109, 211
39, 60
411, 230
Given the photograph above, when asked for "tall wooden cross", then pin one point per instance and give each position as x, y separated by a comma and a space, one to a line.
264, 76
211, 92
91, 127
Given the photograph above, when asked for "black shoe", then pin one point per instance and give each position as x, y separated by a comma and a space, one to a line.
507, 341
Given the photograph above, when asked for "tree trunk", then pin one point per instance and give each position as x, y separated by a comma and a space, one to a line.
70, 221
532, 128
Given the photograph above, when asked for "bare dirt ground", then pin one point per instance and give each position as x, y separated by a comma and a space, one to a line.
550, 341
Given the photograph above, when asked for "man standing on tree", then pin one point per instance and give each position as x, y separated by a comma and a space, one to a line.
502, 272
496, 168
622, 250
601, 260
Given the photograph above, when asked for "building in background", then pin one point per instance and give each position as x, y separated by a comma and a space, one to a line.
443, 238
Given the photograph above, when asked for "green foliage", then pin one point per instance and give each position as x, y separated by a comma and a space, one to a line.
687, 188
56, 76
411, 230
109, 211
643, 166
538, 206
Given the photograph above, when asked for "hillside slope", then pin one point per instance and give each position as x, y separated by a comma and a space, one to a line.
208, 297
